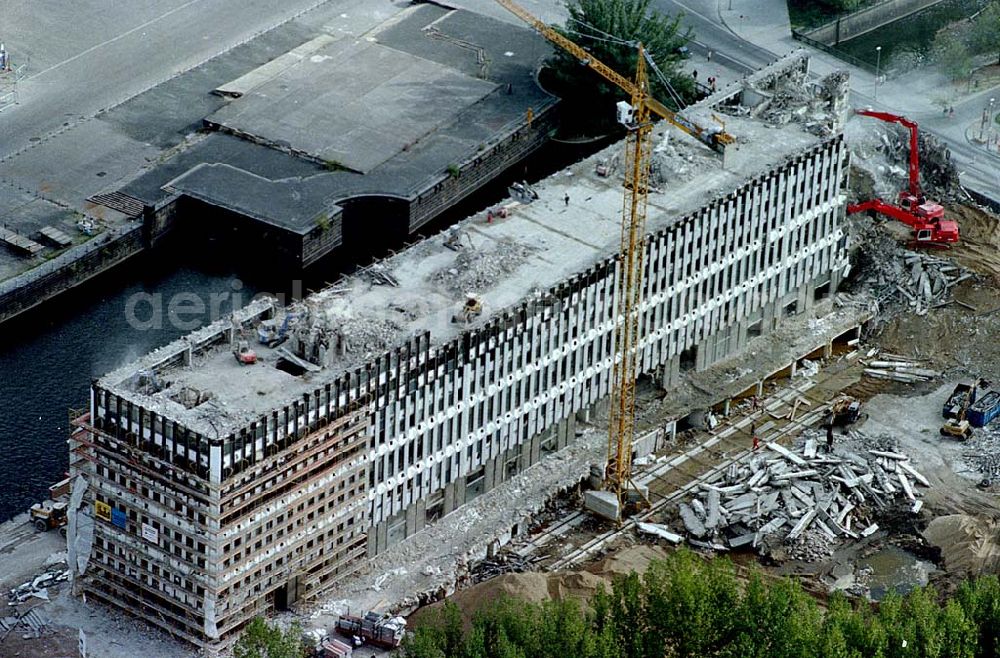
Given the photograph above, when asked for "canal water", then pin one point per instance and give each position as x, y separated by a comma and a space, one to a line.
913, 34
48, 357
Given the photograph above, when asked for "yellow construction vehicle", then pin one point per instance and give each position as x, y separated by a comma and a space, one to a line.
959, 428
48, 515
636, 117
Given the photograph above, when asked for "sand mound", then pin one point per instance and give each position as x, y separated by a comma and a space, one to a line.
967, 543
537, 587
635, 558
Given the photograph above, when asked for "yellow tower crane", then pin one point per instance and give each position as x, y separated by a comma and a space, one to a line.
636, 117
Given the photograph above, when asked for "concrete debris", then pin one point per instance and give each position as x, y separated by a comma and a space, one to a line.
38, 586
981, 455
818, 106
32, 622
482, 268
801, 503
659, 530
505, 562
900, 280
883, 149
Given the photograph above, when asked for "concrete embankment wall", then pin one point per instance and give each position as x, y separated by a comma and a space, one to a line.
866, 20
69, 269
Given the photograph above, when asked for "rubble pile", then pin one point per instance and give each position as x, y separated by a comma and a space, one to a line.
802, 502
818, 106
899, 279
32, 624
368, 335
505, 562
479, 269
883, 149
38, 587
982, 454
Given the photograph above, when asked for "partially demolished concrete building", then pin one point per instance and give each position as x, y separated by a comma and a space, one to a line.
208, 491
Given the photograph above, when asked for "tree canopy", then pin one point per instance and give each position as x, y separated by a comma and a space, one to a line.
263, 640
610, 30
688, 607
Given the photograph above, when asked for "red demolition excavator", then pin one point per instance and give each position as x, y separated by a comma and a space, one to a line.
926, 218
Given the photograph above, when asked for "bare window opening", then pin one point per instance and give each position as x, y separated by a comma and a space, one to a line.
791, 308
822, 292
397, 529
475, 484
548, 444
435, 507
510, 470
755, 329
689, 358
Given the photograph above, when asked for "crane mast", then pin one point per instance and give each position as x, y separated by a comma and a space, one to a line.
621, 425
621, 422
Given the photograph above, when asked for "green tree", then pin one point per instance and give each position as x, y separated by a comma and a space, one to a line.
610, 30
985, 34
953, 55
980, 603
263, 640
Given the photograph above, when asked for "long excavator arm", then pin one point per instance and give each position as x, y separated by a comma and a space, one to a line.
911, 125
714, 139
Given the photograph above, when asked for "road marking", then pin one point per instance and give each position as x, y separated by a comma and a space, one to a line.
113, 40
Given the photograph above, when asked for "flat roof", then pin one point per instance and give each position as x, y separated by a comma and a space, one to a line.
353, 104
429, 88
504, 262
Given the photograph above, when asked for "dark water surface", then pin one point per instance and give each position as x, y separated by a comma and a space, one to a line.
49, 357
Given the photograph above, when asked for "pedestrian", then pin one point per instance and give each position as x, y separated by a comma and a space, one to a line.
711, 82
709, 56
694, 74
753, 435
566, 199
829, 437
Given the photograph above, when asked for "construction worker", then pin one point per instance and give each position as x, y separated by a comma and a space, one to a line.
753, 435
489, 216
829, 437
566, 199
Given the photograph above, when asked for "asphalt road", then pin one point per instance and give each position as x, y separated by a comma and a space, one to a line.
82, 57
978, 170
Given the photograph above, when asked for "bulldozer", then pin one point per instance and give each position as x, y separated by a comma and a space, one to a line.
958, 427
46, 516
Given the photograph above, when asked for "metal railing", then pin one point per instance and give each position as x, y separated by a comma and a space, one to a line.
836, 52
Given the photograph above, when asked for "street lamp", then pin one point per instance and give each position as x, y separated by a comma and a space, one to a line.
990, 119
878, 61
